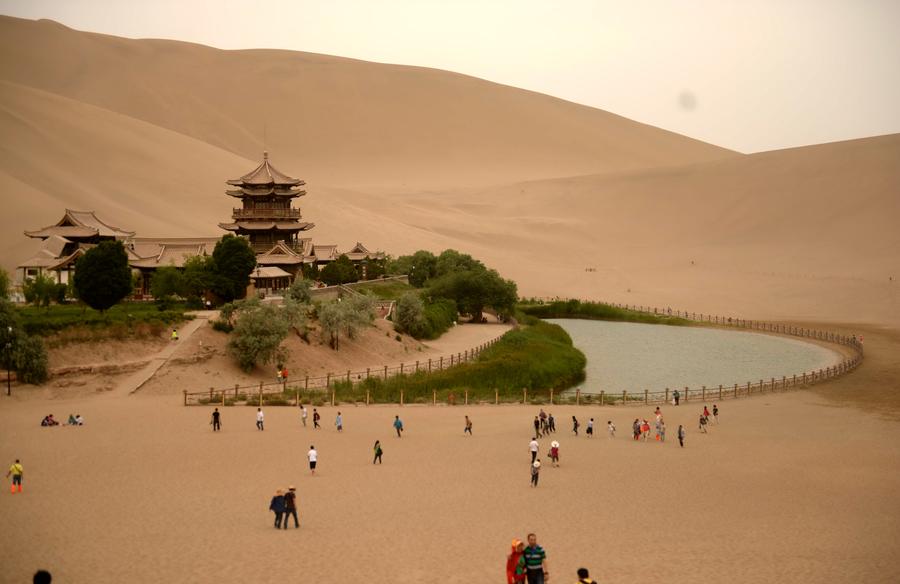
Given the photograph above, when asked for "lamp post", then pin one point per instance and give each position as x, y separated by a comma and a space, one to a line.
8, 359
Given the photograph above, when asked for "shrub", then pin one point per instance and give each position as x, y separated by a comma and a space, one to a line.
340, 271
595, 311
223, 326
31, 360
102, 275
300, 291
233, 262
257, 336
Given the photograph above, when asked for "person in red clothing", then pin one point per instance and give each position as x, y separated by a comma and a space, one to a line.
515, 563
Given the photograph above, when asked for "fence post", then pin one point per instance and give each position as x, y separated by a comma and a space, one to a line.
401, 368
385, 371
401, 397
704, 393
442, 363
328, 380
185, 396
306, 382
735, 390
434, 397
429, 365
749, 391
772, 385
578, 397
211, 394
761, 385
686, 390
804, 378
348, 376
496, 396
367, 397
417, 365
367, 372
601, 397
646, 396
451, 360
332, 397
236, 388
551, 396
467, 397
223, 398
524, 395
624, 397
667, 395
260, 393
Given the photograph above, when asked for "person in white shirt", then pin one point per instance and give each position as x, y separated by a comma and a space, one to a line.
534, 447
611, 429
259, 419
313, 456
303, 415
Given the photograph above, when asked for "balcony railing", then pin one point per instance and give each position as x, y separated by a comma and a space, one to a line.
266, 213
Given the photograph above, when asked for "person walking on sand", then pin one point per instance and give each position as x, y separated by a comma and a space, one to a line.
174, 334
703, 423
645, 430
551, 423
537, 427
313, 457
378, 452
554, 453
339, 422
468, 429
584, 577
636, 429
535, 472
398, 426
533, 447
515, 563
277, 506
716, 414
316, 418
575, 425
677, 397
706, 413
259, 419
216, 420
535, 561
303, 415
681, 434
610, 429
290, 507
16, 471
543, 416
662, 431
590, 428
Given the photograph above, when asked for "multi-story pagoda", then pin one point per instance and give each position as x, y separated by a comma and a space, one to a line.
266, 216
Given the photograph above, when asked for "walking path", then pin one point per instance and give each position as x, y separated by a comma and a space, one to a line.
133, 382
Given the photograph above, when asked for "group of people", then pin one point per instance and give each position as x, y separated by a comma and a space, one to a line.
74, 420
544, 424
528, 564
284, 506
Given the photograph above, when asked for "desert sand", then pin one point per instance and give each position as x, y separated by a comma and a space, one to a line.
792, 487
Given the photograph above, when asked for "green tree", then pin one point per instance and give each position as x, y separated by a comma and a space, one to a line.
4, 285
166, 283
234, 261
40, 290
10, 331
451, 261
340, 271
102, 275
31, 360
330, 318
300, 291
357, 312
475, 290
257, 336
410, 315
375, 269
422, 268
198, 276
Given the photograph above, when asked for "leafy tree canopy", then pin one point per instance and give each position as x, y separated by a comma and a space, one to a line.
340, 271
234, 261
102, 275
475, 290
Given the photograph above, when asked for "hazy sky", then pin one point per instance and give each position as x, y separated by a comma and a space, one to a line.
749, 75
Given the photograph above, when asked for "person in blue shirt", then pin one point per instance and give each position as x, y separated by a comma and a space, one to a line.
398, 426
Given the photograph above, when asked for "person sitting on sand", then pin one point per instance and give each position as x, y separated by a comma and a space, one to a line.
79, 420
72, 421
49, 421
174, 334
515, 563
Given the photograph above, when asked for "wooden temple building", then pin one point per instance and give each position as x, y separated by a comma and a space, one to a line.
266, 218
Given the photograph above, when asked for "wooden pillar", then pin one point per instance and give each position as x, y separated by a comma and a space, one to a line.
367, 397
442, 363
211, 394
348, 375
601, 397
367, 372
306, 382
624, 397
401, 397
328, 380
223, 398
496, 396
332, 397
429, 365
185, 396
704, 393
646, 396
467, 397
735, 390
417, 365
385, 371
260, 393
720, 391
524, 395
578, 397
551, 396
401, 368
686, 390
434, 397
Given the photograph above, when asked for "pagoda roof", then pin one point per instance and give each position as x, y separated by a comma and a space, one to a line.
265, 174
325, 253
359, 252
278, 191
147, 252
280, 254
267, 225
80, 225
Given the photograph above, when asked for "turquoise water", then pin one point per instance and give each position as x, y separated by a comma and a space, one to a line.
635, 357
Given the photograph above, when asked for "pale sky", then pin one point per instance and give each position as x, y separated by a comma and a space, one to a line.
749, 75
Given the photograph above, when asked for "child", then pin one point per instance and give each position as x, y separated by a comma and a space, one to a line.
259, 418
378, 452
535, 472
706, 413
645, 430
716, 414
636, 429
681, 435
610, 429
554, 453
590, 428
338, 421
277, 507
468, 429
662, 431
303, 415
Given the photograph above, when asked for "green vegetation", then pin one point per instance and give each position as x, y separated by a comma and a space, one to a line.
424, 320
595, 311
233, 262
257, 335
340, 271
384, 289
300, 291
4, 285
538, 357
347, 316
127, 317
102, 275
41, 290
27, 355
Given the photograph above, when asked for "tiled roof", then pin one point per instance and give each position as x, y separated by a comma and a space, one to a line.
265, 174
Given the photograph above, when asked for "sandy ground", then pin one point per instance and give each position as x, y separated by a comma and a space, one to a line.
786, 488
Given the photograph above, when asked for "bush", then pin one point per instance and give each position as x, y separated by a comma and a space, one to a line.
4, 285
223, 326
102, 275
257, 336
595, 311
233, 262
410, 315
300, 291
31, 360
340, 271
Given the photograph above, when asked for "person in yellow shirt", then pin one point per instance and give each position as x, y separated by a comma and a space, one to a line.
16, 471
